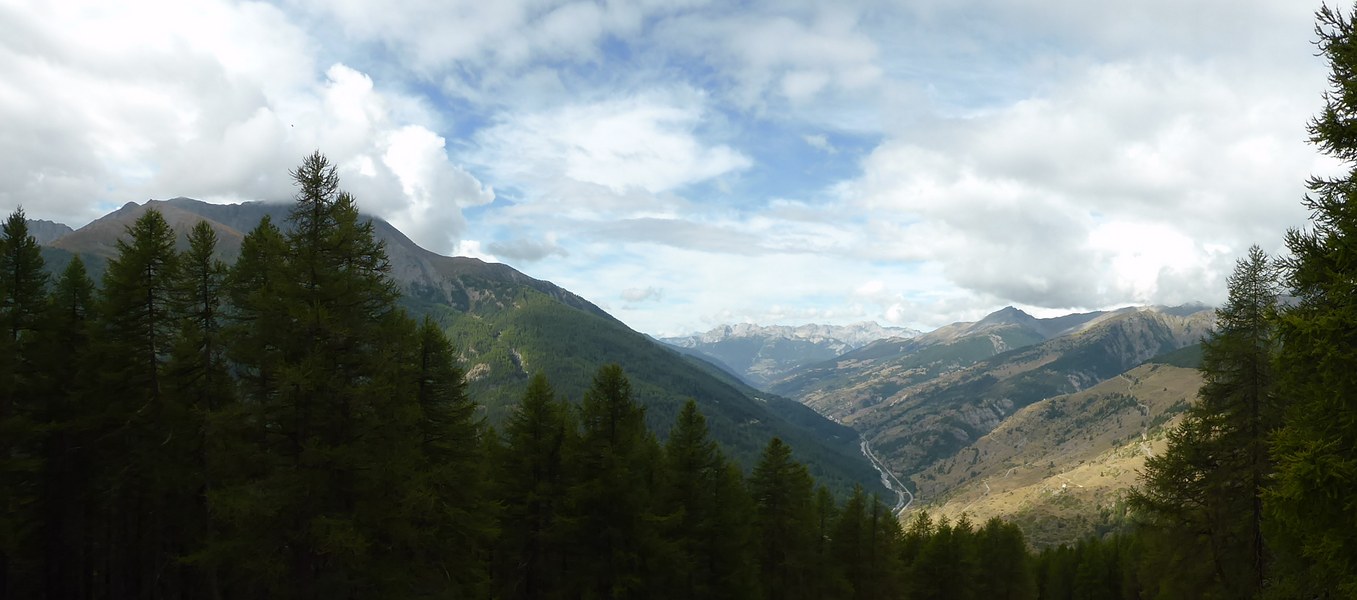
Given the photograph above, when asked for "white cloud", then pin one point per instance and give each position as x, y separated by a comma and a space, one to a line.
525, 250
1133, 182
635, 295
820, 142
606, 154
113, 106
781, 52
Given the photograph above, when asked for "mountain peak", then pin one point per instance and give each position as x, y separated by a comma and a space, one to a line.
1007, 315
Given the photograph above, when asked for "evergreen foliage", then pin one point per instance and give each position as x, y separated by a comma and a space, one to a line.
1204, 496
1311, 502
532, 483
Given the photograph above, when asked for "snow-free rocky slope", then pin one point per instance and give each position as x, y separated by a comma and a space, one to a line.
924, 400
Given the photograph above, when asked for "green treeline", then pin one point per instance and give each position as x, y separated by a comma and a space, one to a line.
281, 428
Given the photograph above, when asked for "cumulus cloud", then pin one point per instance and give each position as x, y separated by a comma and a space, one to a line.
1133, 182
780, 53
619, 155
112, 106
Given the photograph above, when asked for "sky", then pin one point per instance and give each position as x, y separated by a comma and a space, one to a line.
685, 164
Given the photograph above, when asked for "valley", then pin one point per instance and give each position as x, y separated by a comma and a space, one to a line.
1043, 422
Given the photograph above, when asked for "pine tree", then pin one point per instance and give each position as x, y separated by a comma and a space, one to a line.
784, 522
22, 300
531, 485
614, 530
1311, 500
63, 364
145, 449
449, 503
322, 351
1204, 494
698, 498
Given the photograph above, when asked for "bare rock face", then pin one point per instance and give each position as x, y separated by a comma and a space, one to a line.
46, 231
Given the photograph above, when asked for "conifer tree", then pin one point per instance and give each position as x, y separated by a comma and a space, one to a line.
1203, 496
448, 501
198, 363
784, 522
318, 342
947, 565
253, 284
62, 362
1311, 499
143, 451
198, 378
697, 499
828, 581
531, 486
614, 529
1002, 554
22, 299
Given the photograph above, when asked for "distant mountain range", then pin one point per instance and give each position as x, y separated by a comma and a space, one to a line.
932, 405
760, 355
507, 325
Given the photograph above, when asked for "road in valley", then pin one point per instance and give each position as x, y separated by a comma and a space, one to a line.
888, 479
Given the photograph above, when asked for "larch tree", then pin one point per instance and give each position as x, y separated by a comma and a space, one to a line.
1312, 502
1204, 496
65, 368
320, 346
22, 300
197, 375
143, 450
614, 529
710, 544
531, 485
784, 522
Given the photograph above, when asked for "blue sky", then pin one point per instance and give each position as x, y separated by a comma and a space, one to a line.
689, 164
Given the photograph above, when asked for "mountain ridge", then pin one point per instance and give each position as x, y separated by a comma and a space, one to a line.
760, 354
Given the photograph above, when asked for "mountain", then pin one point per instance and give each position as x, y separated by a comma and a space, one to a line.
886, 366
923, 400
1060, 467
920, 423
46, 231
508, 325
760, 355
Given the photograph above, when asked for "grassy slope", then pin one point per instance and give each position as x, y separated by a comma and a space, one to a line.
1061, 467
